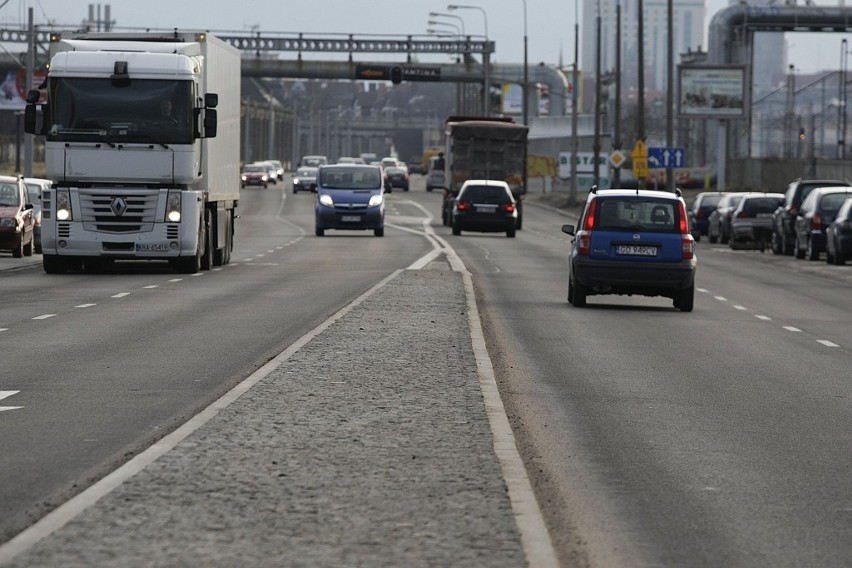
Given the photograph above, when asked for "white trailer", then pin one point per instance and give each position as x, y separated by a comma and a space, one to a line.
142, 145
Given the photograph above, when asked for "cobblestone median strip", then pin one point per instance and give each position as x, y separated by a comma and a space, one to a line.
369, 445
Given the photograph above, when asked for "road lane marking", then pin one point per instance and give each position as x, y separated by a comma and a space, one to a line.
44, 316
741, 308
176, 280
721, 298
120, 295
152, 286
7, 394
764, 318
791, 328
827, 343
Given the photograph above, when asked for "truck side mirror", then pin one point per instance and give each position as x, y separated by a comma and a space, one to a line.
34, 120
211, 100
211, 121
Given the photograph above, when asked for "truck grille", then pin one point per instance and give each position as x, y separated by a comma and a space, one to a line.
115, 212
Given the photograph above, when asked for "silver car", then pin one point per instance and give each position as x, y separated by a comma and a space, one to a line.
751, 220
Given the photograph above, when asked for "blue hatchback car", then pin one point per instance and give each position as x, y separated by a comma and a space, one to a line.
632, 242
350, 196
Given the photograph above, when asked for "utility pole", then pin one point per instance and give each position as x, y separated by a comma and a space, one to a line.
30, 71
596, 146
616, 142
670, 182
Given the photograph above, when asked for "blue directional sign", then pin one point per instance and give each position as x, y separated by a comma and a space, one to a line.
666, 158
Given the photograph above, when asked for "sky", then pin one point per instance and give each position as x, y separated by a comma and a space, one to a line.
549, 23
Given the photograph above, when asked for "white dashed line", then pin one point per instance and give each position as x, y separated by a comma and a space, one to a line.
85, 305
176, 280
721, 298
764, 318
120, 295
197, 274
4, 329
152, 286
703, 290
827, 343
791, 328
44, 316
741, 308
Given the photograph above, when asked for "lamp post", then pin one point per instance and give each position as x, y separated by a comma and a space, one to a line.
444, 15
486, 62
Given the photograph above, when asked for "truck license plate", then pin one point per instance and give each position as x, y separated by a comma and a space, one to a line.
152, 247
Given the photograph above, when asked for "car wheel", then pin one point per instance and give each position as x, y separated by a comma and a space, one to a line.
839, 259
38, 247
684, 299
829, 258
800, 252
576, 294
811, 251
379, 232
723, 236
713, 238
319, 232
456, 229
777, 243
428, 188
697, 237
18, 251
28, 248
510, 233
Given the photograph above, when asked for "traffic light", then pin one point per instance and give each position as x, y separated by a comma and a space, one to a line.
396, 75
802, 134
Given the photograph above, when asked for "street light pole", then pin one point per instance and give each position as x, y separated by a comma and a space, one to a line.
486, 58
526, 95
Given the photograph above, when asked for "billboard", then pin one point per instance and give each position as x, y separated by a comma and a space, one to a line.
712, 92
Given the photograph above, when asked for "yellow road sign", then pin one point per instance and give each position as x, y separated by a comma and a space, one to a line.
640, 151
640, 167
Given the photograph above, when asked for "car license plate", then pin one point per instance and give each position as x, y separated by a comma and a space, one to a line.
152, 247
486, 208
636, 250
350, 218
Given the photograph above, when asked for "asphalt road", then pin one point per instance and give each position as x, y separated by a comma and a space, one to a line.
652, 437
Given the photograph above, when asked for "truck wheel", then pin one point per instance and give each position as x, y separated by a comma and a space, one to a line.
53, 264
207, 260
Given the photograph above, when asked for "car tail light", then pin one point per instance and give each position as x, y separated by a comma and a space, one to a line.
590, 216
687, 242
816, 222
508, 207
584, 242
792, 210
683, 221
464, 206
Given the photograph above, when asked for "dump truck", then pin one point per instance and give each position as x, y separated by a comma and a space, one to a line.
483, 148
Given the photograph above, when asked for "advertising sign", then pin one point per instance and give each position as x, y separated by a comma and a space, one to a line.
712, 92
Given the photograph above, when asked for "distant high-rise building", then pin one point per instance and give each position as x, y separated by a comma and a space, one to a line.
689, 28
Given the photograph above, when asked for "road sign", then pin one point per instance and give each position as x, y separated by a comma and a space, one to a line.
666, 157
640, 168
617, 159
421, 73
371, 72
640, 150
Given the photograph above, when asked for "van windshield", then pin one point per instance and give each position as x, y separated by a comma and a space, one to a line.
351, 178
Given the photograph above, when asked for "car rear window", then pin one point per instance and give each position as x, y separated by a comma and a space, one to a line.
757, 205
831, 202
484, 194
709, 202
636, 214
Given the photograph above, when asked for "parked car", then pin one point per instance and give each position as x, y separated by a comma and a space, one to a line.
751, 221
632, 242
313, 161
35, 188
305, 179
255, 174
815, 215
350, 196
838, 236
719, 222
784, 218
700, 210
485, 206
17, 217
397, 176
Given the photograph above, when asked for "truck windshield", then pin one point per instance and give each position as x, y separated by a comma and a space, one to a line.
98, 110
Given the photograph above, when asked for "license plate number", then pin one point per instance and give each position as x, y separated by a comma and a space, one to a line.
486, 208
152, 247
350, 218
636, 250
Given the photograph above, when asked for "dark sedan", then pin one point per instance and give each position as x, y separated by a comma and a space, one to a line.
397, 176
838, 236
485, 206
815, 215
699, 212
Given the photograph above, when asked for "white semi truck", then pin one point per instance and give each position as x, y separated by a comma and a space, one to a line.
142, 145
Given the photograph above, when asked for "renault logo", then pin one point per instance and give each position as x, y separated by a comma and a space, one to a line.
118, 206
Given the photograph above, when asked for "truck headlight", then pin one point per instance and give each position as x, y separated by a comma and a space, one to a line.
375, 201
63, 205
326, 200
173, 207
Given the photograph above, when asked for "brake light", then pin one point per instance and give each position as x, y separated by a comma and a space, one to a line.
687, 246
464, 206
590, 216
508, 207
584, 242
683, 221
816, 222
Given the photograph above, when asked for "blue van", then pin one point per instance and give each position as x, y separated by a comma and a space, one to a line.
350, 197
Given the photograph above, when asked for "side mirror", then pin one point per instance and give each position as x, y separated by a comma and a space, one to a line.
211, 122
211, 100
568, 229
